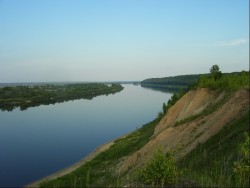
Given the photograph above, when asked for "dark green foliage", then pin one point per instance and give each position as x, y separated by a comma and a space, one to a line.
164, 108
229, 81
214, 80
183, 80
174, 98
29, 96
160, 115
171, 84
241, 168
215, 72
212, 164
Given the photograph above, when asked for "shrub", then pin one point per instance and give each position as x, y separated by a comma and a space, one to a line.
242, 165
160, 170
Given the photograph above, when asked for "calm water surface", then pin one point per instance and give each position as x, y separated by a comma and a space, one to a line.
42, 140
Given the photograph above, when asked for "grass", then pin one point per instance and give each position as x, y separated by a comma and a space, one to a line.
211, 163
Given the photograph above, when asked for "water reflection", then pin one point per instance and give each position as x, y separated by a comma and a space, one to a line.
45, 139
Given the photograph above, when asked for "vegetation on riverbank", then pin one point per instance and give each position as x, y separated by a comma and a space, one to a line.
221, 160
36, 95
215, 80
232, 81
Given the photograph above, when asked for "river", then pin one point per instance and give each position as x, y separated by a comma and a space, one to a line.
42, 140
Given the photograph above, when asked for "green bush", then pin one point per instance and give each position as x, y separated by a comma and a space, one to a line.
160, 170
242, 165
174, 98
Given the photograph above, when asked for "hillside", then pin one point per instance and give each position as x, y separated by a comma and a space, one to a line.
222, 108
200, 139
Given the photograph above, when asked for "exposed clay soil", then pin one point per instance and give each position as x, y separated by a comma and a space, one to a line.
194, 132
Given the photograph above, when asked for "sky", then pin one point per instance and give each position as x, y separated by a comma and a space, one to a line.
120, 40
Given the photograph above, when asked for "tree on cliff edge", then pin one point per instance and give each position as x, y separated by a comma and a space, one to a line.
215, 72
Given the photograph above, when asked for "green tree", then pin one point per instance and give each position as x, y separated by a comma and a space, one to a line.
215, 72
164, 108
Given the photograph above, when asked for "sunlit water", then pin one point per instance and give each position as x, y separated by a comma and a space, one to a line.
42, 140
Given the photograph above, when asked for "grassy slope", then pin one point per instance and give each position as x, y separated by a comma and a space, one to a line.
211, 163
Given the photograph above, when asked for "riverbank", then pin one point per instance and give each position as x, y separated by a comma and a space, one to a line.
73, 167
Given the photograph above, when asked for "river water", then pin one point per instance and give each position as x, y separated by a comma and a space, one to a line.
42, 140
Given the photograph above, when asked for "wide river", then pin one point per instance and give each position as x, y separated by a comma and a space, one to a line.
42, 140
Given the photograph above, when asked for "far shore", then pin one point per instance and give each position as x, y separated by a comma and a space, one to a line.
73, 167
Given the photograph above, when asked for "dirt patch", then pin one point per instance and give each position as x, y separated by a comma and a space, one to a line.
190, 104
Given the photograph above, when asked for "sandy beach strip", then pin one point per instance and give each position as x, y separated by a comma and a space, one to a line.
73, 167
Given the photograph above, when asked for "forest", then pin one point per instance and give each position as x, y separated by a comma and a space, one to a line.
36, 95
171, 84
215, 80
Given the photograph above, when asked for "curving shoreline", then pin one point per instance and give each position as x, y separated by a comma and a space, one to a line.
73, 167
78, 164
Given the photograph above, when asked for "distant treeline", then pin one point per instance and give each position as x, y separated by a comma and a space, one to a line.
185, 82
30, 96
173, 83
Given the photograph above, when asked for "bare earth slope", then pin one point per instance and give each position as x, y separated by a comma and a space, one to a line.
189, 134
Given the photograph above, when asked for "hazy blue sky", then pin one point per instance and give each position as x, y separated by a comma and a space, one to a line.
107, 40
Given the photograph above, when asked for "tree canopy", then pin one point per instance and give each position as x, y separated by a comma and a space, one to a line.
215, 72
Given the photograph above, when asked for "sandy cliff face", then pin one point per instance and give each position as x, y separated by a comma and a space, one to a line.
193, 132
190, 104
